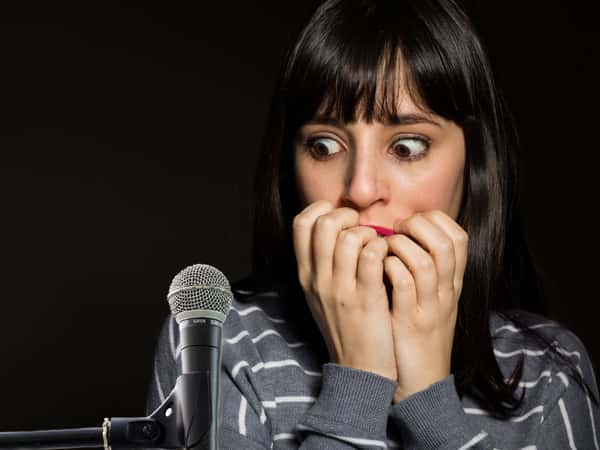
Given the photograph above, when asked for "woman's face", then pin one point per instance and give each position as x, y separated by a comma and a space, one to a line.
387, 172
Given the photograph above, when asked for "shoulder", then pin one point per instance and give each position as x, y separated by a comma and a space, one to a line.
530, 334
254, 325
259, 330
259, 310
553, 354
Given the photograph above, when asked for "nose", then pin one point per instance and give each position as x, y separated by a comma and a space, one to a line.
363, 185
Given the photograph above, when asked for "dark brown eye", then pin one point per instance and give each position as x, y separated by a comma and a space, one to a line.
411, 148
322, 147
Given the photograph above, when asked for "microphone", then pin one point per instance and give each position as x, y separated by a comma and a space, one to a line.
200, 298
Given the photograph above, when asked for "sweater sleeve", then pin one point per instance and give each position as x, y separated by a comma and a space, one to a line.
435, 419
350, 412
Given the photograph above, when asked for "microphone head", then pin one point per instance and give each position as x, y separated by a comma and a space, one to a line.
200, 291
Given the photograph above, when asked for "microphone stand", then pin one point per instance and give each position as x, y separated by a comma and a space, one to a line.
175, 424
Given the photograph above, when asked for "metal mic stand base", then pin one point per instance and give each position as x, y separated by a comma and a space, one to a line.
181, 421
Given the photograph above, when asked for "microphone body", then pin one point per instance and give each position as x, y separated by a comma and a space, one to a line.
201, 343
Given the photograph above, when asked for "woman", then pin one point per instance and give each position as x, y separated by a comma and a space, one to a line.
386, 307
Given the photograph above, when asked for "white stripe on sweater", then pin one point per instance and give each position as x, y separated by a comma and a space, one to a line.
263, 416
237, 338
482, 412
529, 447
566, 353
565, 415
349, 439
245, 312
174, 350
592, 420
269, 332
529, 384
271, 365
283, 436
514, 329
242, 415
530, 352
481, 436
287, 436
288, 399
536, 410
563, 378
161, 394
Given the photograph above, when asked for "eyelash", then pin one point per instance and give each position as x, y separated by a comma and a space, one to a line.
309, 145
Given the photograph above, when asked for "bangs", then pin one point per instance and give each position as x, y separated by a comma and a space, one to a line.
363, 65
369, 86
372, 91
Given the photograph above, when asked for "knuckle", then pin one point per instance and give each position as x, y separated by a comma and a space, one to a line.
349, 237
325, 203
463, 237
401, 281
425, 263
325, 221
351, 212
300, 222
447, 246
436, 213
369, 254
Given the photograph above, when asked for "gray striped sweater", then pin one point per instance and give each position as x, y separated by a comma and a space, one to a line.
277, 393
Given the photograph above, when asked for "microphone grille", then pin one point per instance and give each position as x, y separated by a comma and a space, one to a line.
200, 290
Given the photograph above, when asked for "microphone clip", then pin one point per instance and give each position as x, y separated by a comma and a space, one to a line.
175, 424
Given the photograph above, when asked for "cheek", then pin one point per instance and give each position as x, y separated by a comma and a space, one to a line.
313, 185
438, 189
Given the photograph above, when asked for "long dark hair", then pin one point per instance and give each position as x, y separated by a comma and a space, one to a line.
334, 68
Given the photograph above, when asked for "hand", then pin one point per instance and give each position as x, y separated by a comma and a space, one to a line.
426, 278
340, 269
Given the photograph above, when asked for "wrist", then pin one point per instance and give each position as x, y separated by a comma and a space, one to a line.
405, 390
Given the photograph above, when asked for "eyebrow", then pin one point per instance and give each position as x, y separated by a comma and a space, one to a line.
402, 119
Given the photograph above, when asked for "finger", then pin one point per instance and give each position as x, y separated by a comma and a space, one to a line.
302, 230
370, 262
349, 248
460, 238
420, 264
324, 239
437, 243
404, 293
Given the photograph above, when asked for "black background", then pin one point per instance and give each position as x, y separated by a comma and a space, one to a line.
129, 135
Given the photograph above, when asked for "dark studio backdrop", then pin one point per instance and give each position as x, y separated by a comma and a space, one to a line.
129, 136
